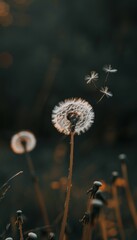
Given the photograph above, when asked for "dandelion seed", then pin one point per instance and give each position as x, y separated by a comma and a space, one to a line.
92, 77
109, 69
105, 91
21, 138
73, 115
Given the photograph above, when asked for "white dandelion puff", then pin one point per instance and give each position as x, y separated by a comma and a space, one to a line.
109, 69
105, 91
32, 235
21, 138
77, 110
92, 77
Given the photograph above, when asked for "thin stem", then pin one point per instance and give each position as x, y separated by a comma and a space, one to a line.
66, 206
106, 78
101, 98
38, 191
20, 230
102, 224
117, 211
130, 200
87, 228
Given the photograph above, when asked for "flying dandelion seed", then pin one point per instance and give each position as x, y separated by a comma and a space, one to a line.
92, 77
21, 138
109, 69
105, 91
77, 110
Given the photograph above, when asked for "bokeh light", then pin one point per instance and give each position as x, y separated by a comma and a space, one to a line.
6, 59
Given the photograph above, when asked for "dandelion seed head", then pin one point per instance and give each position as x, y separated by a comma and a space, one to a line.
105, 91
122, 156
97, 183
32, 235
115, 174
97, 202
51, 236
92, 77
9, 238
109, 69
80, 109
23, 137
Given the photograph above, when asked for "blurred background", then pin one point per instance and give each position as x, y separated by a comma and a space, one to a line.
47, 47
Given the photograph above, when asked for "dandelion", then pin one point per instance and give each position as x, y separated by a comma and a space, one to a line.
19, 222
9, 238
32, 235
23, 141
109, 69
70, 117
123, 158
94, 188
73, 115
92, 77
51, 236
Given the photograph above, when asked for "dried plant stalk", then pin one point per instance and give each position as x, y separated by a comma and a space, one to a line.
130, 200
20, 230
87, 228
102, 224
117, 211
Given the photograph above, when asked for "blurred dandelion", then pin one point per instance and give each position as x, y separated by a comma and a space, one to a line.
23, 138
69, 117
32, 235
109, 69
94, 188
73, 113
22, 143
92, 77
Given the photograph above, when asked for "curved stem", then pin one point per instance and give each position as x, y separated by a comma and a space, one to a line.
66, 207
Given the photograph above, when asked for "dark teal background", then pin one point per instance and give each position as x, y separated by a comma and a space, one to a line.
53, 44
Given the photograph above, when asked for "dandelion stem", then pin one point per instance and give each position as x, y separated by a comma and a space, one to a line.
102, 224
66, 206
117, 211
87, 228
38, 191
106, 78
20, 230
129, 195
101, 98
